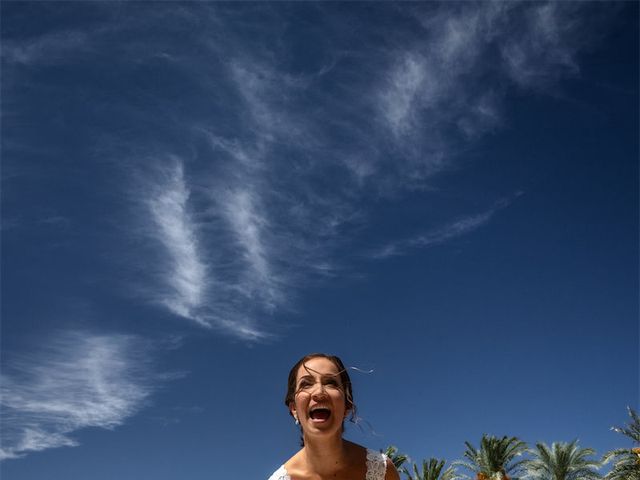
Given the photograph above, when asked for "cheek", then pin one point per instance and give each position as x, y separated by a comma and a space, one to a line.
301, 400
338, 398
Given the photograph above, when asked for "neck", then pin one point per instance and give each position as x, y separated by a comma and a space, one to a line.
326, 456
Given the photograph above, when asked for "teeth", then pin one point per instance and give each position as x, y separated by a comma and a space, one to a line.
319, 408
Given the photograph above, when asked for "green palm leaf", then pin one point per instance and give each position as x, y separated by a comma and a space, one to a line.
432, 469
561, 461
496, 459
397, 458
626, 460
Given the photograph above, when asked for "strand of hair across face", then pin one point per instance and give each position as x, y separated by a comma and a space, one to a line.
360, 370
357, 420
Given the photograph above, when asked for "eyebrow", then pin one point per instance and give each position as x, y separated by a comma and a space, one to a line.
322, 377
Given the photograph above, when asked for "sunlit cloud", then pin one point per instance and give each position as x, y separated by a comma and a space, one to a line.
77, 380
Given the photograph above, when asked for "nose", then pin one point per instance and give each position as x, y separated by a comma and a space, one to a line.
319, 391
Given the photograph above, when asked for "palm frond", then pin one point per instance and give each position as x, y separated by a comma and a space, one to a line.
495, 459
626, 460
632, 429
561, 461
397, 458
432, 469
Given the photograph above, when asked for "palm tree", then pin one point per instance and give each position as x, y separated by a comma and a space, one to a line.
432, 470
397, 458
494, 460
563, 461
627, 460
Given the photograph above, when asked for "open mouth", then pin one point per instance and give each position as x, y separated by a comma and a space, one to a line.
319, 414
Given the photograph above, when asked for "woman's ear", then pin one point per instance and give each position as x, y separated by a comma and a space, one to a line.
348, 410
292, 409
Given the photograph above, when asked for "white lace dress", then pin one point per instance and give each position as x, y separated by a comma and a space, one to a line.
376, 467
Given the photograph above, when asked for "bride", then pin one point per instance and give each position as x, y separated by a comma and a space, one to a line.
319, 398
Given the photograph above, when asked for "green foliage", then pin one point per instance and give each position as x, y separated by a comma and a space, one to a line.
495, 459
397, 458
626, 460
561, 461
432, 469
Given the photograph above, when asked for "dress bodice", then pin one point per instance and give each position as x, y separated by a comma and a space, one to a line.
376, 467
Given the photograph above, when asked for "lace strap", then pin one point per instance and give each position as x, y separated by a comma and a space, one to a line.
376, 465
280, 474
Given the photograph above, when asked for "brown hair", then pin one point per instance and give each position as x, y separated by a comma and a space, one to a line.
342, 372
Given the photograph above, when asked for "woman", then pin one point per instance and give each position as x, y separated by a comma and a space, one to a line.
319, 398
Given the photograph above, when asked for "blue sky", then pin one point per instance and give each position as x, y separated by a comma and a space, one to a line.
196, 194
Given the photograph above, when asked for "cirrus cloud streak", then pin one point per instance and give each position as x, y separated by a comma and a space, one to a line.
78, 380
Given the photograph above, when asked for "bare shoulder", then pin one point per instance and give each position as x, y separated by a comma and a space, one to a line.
294, 465
391, 473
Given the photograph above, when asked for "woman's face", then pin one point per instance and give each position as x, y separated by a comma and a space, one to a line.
319, 402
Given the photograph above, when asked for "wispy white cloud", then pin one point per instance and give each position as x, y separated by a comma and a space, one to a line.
248, 224
280, 161
545, 45
55, 47
457, 228
292, 164
265, 93
77, 380
213, 266
449, 87
409, 80
186, 273
55, 220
